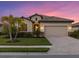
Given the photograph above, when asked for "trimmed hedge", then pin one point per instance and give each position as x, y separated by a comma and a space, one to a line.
26, 35
21, 35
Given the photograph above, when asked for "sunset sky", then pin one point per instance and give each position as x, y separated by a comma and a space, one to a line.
63, 9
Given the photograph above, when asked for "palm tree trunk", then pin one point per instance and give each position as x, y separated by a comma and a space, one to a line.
10, 34
16, 35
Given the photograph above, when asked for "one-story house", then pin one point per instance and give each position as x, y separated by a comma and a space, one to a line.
49, 25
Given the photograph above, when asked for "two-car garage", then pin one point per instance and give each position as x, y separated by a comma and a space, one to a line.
56, 31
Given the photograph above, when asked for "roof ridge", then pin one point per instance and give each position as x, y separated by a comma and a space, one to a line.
52, 18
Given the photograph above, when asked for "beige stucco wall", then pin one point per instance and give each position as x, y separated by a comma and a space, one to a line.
34, 18
42, 27
29, 25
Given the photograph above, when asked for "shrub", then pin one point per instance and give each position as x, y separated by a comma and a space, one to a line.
25, 34
1, 33
74, 34
21, 35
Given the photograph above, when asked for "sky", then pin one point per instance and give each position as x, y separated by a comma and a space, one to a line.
64, 9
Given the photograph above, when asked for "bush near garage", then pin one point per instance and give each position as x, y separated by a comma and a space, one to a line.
74, 34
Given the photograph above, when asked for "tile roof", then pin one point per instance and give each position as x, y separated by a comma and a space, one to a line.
53, 19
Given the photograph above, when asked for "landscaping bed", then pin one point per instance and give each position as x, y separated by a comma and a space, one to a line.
24, 49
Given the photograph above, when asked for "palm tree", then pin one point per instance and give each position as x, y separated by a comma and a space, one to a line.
6, 21
17, 25
20, 25
12, 25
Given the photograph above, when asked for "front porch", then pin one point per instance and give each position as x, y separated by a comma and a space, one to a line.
32, 30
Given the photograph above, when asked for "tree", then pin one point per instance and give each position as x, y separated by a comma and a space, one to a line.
9, 26
17, 25
12, 26
8, 23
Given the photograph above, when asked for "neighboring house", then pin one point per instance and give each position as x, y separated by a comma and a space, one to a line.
49, 25
75, 26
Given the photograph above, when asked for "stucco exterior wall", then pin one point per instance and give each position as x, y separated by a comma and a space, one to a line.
34, 18
42, 27
29, 26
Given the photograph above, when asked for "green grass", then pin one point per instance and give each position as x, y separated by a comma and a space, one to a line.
25, 41
24, 49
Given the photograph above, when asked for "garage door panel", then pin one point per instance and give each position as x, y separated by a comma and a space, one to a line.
56, 31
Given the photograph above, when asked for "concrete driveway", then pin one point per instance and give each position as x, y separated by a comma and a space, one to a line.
64, 46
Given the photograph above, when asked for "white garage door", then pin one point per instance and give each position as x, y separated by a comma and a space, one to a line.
56, 31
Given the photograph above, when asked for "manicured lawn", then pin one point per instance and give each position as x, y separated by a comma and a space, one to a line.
24, 49
25, 41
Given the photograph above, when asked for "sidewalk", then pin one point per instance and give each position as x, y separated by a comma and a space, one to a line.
12, 46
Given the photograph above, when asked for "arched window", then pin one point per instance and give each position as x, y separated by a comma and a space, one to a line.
23, 27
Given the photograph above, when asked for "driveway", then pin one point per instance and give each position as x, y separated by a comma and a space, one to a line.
64, 46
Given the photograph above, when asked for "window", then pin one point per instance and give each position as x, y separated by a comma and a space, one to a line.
23, 27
